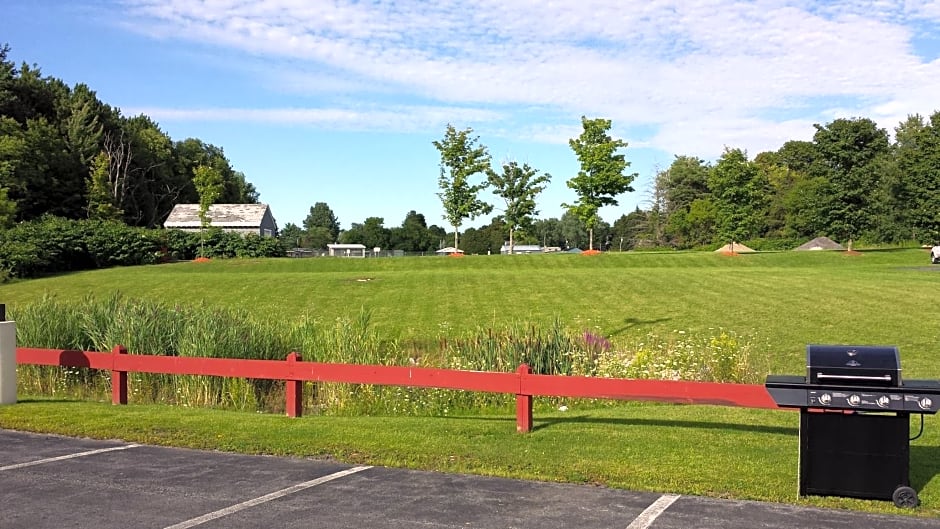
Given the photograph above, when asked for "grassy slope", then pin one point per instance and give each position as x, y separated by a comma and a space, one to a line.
785, 299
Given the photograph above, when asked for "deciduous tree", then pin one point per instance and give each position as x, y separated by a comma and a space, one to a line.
209, 185
574, 231
412, 235
739, 195
100, 201
518, 187
374, 233
549, 232
631, 230
917, 189
602, 177
852, 150
462, 157
321, 216
7, 209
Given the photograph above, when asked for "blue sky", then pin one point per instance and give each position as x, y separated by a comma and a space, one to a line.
338, 101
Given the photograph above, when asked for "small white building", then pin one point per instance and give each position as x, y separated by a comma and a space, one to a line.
521, 249
346, 250
238, 218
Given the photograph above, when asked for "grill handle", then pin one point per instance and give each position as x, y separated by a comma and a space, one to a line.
885, 378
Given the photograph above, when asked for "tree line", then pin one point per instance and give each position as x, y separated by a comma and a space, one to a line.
852, 182
466, 170
415, 235
64, 152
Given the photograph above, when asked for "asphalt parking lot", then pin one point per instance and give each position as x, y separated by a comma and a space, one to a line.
55, 482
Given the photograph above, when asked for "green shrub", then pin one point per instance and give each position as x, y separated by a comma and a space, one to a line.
179, 244
111, 243
51, 245
21, 259
766, 245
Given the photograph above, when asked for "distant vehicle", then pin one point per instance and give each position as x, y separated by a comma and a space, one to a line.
935, 255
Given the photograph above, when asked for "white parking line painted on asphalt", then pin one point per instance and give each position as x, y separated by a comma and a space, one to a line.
70, 456
263, 499
647, 517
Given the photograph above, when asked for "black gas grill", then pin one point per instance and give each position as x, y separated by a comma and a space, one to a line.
855, 421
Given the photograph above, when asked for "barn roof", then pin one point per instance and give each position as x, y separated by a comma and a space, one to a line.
220, 215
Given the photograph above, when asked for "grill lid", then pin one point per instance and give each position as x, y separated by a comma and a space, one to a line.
862, 365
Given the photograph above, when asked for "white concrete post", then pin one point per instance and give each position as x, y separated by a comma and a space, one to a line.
7, 359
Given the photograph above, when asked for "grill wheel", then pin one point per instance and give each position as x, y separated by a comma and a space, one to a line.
905, 497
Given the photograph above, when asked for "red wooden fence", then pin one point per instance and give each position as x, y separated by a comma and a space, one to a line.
294, 372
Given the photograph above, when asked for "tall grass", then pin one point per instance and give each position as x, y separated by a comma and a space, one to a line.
550, 351
146, 327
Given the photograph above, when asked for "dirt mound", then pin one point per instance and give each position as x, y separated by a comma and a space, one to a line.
819, 243
734, 249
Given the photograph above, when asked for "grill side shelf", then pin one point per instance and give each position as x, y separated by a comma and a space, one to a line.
788, 391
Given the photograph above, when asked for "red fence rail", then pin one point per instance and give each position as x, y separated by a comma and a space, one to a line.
294, 371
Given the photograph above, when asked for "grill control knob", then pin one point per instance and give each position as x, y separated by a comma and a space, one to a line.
925, 403
883, 401
825, 399
854, 400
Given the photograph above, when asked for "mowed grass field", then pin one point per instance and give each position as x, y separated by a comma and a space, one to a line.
781, 300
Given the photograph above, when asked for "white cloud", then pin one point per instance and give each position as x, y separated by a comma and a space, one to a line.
708, 139
403, 119
702, 73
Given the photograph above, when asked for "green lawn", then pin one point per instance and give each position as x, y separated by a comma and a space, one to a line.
784, 300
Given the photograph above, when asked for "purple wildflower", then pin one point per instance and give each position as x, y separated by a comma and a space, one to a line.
596, 342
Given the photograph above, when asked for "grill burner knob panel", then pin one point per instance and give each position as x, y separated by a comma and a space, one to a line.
874, 400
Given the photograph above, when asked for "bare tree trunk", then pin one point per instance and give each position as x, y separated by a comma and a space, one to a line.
590, 238
511, 243
119, 163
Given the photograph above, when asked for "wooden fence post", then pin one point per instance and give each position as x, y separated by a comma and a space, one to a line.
294, 389
118, 378
523, 404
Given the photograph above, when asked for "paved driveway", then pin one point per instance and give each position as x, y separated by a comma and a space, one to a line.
56, 482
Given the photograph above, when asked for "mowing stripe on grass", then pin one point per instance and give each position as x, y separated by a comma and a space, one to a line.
648, 516
264, 499
70, 456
